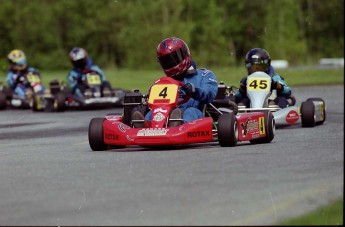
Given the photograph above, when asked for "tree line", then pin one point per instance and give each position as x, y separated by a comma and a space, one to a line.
126, 33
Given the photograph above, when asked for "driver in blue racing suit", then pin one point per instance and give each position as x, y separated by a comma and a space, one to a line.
258, 59
82, 63
201, 84
18, 69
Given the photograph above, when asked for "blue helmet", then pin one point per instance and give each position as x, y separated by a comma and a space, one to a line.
257, 59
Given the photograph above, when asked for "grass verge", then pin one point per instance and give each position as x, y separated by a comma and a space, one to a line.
331, 214
142, 79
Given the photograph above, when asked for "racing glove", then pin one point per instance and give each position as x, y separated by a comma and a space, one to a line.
189, 88
276, 85
79, 79
243, 88
21, 80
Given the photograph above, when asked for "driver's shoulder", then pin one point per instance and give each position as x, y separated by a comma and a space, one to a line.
32, 69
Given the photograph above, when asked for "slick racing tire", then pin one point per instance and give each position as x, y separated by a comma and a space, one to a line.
106, 90
324, 109
3, 102
37, 103
59, 104
96, 134
227, 130
308, 114
269, 128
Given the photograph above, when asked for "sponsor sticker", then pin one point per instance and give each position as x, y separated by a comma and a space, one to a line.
249, 126
262, 125
153, 132
292, 117
129, 138
158, 117
111, 136
160, 110
123, 127
198, 134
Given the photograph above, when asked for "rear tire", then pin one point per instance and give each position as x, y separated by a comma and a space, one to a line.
3, 102
308, 114
59, 102
227, 130
96, 134
37, 103
106, 90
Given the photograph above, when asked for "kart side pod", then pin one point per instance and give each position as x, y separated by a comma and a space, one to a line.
257, 127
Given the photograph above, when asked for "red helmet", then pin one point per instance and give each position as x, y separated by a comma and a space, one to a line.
174, 56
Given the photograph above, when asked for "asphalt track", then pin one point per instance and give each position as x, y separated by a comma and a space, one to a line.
50, 176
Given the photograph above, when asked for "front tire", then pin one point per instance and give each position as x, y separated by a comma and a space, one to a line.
59, 102
227, 130
96, 135
308, 114
37, 103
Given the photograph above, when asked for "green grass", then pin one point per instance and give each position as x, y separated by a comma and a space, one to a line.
331, 214
142, 79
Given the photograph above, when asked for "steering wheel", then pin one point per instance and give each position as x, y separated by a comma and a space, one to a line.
185, 98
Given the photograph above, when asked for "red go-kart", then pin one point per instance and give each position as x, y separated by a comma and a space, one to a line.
116, 130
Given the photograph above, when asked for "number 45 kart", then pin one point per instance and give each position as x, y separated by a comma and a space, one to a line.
117, 130
311, 112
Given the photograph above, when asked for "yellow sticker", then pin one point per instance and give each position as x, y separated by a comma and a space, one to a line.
33, 78
163, 93
257, 84
322, 116
262, 125
93, 79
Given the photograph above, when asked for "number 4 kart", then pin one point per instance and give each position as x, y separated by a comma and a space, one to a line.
219, 124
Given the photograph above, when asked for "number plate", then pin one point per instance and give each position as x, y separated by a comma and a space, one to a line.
33, 78
163, 93
257, 84
93, 79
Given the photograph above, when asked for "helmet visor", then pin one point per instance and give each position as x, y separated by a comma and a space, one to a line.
171, 60
18, 65
79, 64
257, 67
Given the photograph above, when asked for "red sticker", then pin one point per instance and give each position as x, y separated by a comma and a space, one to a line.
292, 117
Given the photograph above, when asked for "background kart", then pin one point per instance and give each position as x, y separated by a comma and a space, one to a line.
34, 92
310, 113
116, 130
94, 94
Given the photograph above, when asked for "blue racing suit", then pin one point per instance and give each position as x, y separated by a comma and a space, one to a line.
13, 80
75, 75
283, 91
206, 88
